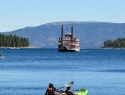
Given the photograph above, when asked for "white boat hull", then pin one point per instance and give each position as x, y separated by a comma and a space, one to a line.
64, 48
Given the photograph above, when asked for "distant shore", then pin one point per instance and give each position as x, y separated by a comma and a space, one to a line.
112, 48
15, 47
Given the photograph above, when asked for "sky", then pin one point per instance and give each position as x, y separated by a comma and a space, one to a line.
17, 14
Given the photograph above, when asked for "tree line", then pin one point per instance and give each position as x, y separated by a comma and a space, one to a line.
117, 43
13, 41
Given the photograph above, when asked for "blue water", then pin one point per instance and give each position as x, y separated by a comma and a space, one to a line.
28, 71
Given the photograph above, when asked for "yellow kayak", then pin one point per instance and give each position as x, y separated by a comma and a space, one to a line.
81, 92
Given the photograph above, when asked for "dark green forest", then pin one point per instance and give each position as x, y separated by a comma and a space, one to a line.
13, 41
117, 43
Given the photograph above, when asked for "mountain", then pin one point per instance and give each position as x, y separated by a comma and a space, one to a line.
91, 34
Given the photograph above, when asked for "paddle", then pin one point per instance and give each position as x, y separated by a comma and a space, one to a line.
67, 85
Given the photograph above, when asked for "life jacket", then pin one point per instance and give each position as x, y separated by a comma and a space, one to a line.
50, 91
67, 92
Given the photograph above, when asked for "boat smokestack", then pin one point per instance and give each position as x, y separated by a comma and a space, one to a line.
62, 32
72, 31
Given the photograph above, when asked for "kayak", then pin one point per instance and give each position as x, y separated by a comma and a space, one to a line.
82, 91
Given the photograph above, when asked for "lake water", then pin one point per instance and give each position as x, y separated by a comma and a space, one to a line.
28, 71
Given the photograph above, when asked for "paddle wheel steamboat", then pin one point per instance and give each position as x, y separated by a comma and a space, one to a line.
67, 42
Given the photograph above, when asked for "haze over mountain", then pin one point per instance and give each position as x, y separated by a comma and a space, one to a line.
91, 34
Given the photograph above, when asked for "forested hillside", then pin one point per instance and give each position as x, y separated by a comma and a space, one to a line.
13, 41
117, 43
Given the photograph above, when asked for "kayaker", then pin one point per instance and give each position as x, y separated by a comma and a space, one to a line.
68, 91
51, 90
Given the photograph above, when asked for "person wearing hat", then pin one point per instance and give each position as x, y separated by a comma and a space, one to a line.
68, 91
51, 90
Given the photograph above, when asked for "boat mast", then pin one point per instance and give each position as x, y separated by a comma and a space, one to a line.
62, 33
72, 32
